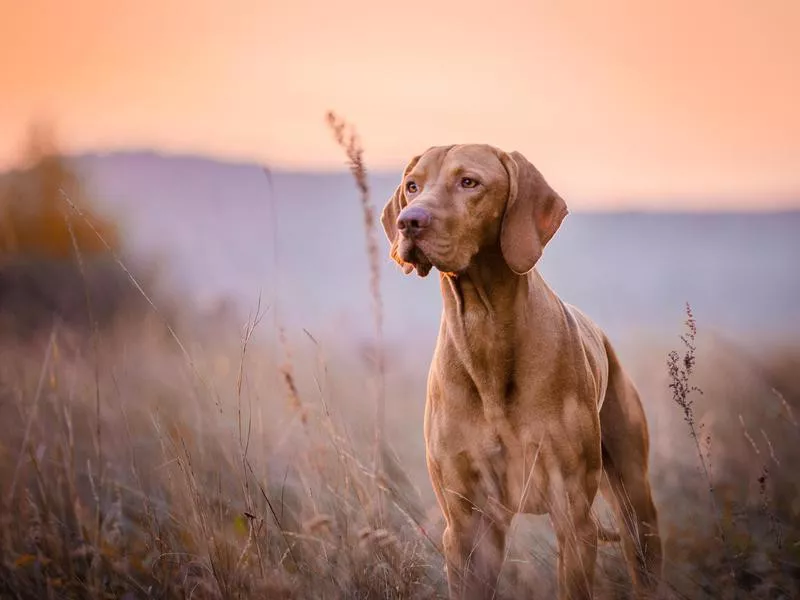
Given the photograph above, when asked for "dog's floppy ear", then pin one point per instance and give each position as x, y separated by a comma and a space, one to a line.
390, 213
533, 214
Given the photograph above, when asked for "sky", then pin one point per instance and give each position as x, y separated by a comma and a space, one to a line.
659, 102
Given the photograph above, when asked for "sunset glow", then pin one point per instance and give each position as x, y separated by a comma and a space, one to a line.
696, 101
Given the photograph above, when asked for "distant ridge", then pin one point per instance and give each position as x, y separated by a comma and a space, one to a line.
216, 225
789, 204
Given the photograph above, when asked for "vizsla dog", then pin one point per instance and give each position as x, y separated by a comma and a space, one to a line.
528, 408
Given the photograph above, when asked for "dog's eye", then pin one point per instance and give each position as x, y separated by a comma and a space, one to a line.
468, 182
411, 187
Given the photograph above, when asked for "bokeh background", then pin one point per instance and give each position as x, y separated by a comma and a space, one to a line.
189, 364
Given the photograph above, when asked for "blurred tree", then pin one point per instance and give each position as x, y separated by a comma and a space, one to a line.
33, 211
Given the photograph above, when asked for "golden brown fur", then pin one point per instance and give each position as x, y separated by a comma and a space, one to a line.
528, 409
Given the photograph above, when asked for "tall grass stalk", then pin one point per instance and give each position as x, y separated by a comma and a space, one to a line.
680, 370
348, 140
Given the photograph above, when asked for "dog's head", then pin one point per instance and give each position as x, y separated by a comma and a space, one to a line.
455, 201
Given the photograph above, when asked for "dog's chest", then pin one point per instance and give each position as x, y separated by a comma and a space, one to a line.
491, 423
502, 472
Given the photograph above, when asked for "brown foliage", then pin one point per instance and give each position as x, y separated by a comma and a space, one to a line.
35, 220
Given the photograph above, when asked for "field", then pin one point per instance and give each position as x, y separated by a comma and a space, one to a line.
149, 450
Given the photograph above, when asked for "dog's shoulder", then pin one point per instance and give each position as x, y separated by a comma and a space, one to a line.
594, 343
589, 330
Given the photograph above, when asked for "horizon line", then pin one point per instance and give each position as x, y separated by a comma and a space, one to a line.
622, 205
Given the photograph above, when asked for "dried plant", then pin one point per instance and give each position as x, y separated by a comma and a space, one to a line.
347, 138
680, 370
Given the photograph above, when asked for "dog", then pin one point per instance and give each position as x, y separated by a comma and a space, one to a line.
528, 407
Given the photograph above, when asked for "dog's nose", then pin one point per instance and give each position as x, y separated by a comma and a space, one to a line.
413, 220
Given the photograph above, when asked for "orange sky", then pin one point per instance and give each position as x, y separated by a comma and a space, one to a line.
691, 99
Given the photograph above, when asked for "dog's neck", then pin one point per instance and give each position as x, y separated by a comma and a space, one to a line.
486, 308
488, 287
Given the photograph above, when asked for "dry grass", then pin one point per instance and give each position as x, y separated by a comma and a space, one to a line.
743, 538
348, 140
680, 369
185, 498
142, 455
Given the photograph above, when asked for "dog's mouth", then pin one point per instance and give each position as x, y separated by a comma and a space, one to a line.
412, 256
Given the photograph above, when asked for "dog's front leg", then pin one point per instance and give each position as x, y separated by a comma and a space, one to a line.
474, 546
576, 532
